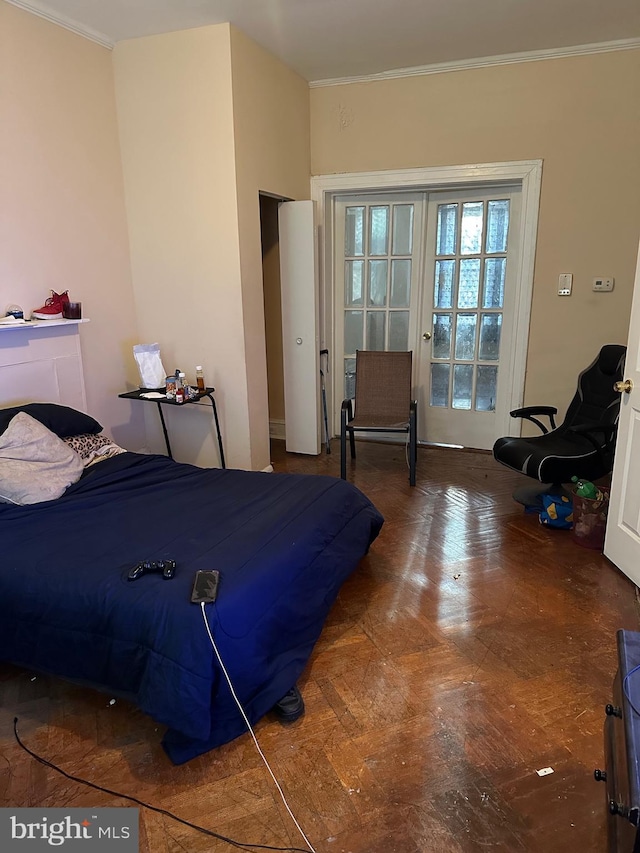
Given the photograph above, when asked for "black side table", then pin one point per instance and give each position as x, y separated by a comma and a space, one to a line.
163, 401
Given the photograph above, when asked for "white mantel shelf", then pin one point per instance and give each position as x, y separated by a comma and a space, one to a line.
39, 324
36, 364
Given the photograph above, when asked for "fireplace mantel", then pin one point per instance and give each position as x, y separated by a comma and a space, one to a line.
41, 361
38, 324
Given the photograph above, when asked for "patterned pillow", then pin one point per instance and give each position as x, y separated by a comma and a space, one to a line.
86, 443
93, 448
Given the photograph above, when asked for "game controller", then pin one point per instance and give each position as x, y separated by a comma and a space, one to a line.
167, 567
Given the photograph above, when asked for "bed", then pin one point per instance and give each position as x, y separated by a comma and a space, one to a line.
283, 544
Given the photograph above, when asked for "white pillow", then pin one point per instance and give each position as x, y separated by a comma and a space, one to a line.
35, 465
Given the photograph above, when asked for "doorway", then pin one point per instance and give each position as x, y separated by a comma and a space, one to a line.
462, 303
272, 313
290, 293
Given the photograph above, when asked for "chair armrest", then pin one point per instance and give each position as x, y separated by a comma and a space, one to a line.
347, 408
413, 418
527, 413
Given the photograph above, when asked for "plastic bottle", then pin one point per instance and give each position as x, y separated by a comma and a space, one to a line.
200, 378
176, 385
185, 388
586, 489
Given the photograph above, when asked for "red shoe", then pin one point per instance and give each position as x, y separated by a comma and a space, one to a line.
52, 308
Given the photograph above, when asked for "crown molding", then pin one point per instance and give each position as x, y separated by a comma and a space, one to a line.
43, 11
483, 62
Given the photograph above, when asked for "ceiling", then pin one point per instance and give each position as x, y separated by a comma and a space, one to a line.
328, 39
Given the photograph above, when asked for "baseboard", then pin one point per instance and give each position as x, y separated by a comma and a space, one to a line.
277, 428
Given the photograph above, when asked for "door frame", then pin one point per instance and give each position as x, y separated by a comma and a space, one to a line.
527, 173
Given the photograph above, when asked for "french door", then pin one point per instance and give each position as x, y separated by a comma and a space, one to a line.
434, 273
377, 276
467, 320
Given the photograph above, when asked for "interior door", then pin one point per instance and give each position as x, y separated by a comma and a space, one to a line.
377, 269
468, 319
300, 326
622, 541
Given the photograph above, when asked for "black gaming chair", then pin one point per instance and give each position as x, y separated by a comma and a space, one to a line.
584, 443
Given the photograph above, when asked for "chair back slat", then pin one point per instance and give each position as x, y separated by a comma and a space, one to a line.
383, 387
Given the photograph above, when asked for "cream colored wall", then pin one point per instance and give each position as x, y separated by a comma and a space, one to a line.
272, 144
62, 216
582, 117
175, 112
207, 120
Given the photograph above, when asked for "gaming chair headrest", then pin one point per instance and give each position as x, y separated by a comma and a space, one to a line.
610, 357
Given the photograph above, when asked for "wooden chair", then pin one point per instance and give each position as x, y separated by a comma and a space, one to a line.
383, 403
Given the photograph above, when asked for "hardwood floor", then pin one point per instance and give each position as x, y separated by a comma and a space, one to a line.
470, 648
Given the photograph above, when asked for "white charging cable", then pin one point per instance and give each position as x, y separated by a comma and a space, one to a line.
255, 739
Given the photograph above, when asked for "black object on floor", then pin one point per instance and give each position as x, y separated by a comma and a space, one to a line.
290, 707
530, 496
622, 750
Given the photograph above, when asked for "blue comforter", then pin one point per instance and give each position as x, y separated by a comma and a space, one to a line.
283, 545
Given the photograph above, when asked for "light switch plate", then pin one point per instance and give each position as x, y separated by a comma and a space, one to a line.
565, 281
603, 285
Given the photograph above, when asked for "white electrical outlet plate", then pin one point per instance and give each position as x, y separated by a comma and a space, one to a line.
565, 280
603, 285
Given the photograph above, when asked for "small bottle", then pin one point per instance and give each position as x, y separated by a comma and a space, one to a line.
170, 387
179, 398
200, 378
185, 387
176, 385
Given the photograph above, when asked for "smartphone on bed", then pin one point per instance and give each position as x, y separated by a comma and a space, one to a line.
205, 586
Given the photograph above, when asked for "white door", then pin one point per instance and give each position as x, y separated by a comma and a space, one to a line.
622, 541
435, 273
300, 326
468, 321
379, 242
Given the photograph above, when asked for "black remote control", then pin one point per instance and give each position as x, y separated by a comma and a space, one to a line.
167, 567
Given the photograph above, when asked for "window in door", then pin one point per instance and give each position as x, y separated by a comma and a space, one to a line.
378, 277
468, 300
431, 273
468, 315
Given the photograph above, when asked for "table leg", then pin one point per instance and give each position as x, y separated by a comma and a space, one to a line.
164, 430
215, 417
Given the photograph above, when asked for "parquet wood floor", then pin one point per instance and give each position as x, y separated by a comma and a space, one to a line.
470, 648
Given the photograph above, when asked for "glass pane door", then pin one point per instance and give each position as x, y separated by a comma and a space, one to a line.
377, 247
468, 301
467, 305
